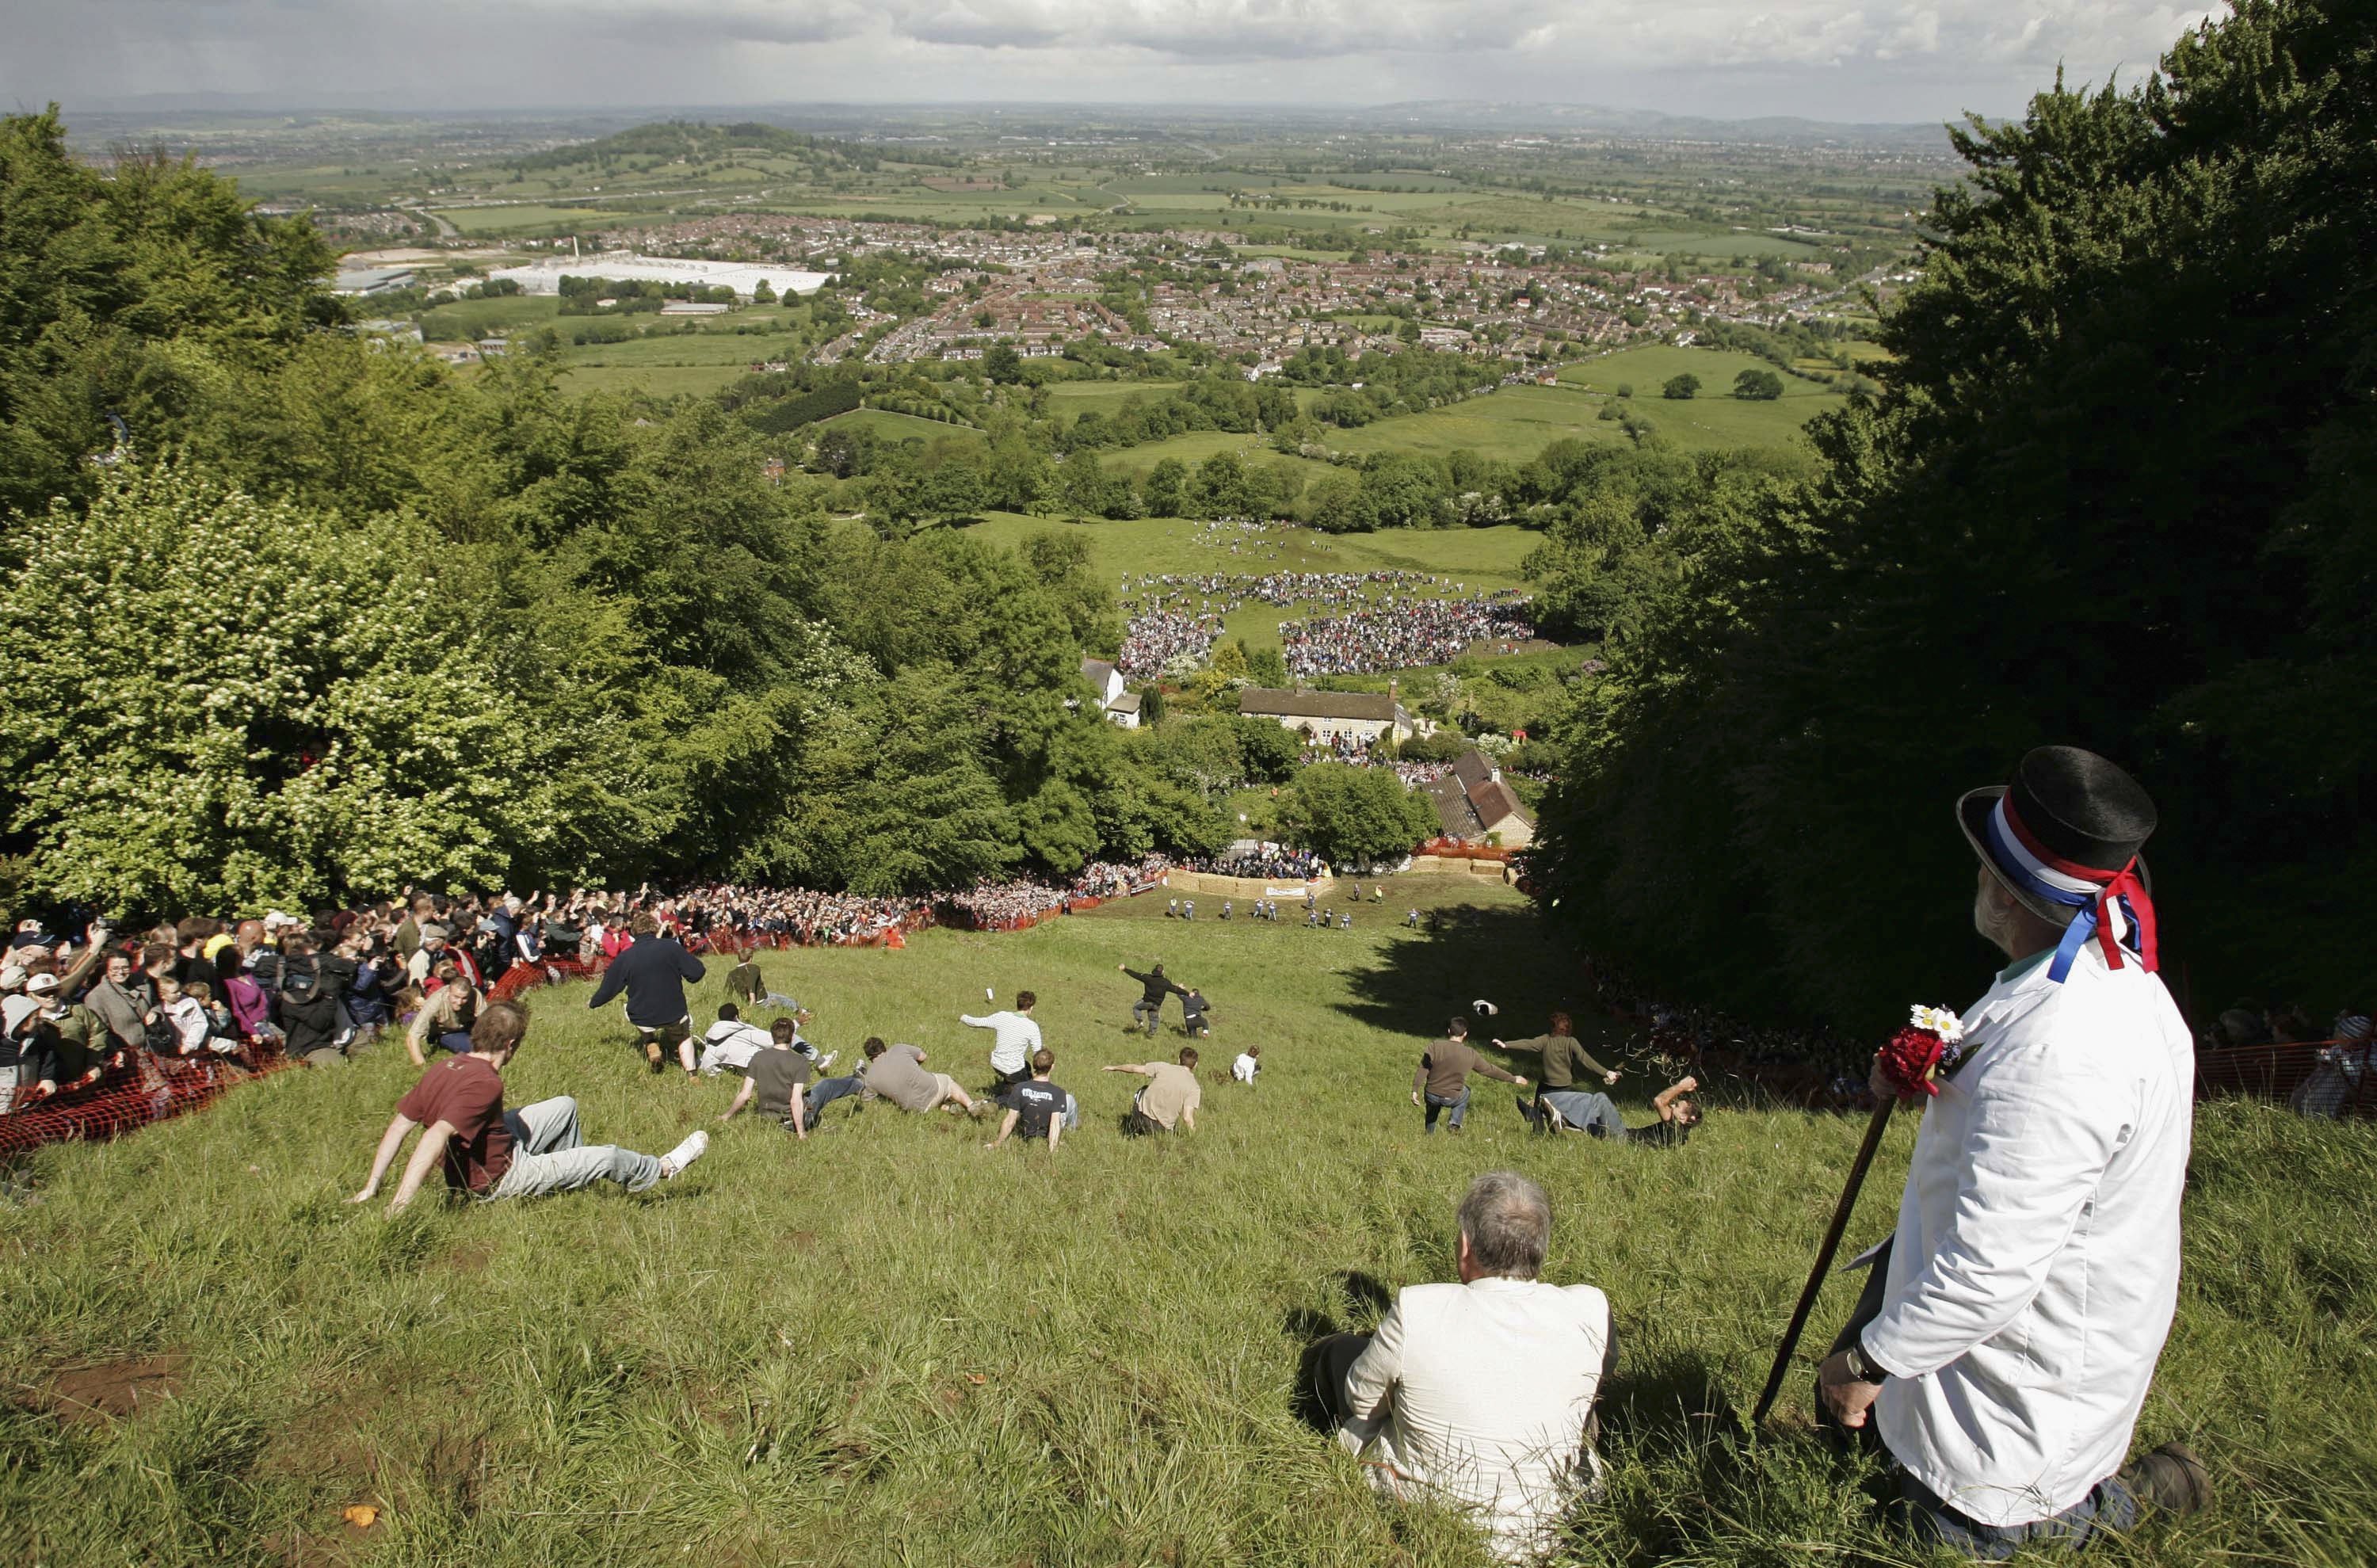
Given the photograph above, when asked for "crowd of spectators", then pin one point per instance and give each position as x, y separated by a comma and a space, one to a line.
189, 1005
1272, 862
991, 906
1403, 632
1176, 617
1155, 637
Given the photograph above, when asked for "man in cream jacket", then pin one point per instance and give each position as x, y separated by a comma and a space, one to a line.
2009, 1332
1480, 1394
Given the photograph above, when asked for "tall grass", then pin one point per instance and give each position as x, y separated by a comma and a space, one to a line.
891, 1346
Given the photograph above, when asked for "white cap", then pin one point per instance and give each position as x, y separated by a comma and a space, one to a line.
41, 984
16, 1009
12, 978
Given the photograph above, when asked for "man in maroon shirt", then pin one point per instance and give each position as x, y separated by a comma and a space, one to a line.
490, 1153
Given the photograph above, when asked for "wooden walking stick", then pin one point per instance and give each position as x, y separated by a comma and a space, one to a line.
1906, 1067
1808, 1294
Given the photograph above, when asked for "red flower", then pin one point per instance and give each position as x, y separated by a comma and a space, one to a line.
1907, 1061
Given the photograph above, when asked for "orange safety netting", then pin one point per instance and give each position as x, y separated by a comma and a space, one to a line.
126, 1099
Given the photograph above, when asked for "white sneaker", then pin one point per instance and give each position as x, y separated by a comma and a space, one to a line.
827, 1060
685, 1154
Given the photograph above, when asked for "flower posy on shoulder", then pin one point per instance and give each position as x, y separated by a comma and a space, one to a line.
1912, 1058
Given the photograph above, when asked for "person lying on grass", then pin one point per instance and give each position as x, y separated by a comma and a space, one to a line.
1035, 1107
898, 1074
490, 1153
1170, 1099
1480, 1394
777, 1076
1596, 1114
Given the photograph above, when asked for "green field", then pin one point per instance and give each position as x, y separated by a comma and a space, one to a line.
527, 216
891, 1346
1070, 399
1715, 417
466, 319
897, 427
1477, 558
660, 381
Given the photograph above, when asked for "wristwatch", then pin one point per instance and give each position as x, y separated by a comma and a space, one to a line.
1863, 1367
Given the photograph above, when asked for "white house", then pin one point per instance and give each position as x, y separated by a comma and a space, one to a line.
1120, 707
1326, 716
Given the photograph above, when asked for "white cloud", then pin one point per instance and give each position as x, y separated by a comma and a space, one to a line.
1835, 59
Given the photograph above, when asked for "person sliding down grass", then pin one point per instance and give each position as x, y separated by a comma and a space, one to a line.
1170, 1099
1442, 1081
1013, 1038
1036, 1108
898, 1074
777, 1076
490, 1153
1597, 1114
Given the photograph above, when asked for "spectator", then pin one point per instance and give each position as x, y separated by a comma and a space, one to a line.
123, 1004
1479, 1395
312, 1022
459, 1106
1014, 1037
445, 1019
1037, 1107
1441, 1083
1170, 1098
76, 1041
898, 1074
2335, 1083
26, 1070
654, 972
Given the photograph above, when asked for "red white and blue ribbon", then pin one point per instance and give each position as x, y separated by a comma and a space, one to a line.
2112, 907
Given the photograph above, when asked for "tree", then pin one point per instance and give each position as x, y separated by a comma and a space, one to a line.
1860, 647
1267, 667
1002, 365
761, 293
1357, 816
1678, 389
220, 704
1758, 386
1166, 488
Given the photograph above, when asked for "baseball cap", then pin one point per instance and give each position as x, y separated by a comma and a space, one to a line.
41, 984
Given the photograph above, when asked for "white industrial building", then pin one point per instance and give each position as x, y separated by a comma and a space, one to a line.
742, 277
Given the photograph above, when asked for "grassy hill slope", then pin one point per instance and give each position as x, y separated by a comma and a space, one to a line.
889, 1345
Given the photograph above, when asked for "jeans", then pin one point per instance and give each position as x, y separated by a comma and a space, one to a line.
1149, 1012
1458, 1105
1072, 1114
1592, 1111
551, 1154
823, 1092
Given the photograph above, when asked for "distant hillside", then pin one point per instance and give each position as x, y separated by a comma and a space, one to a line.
1520, 118
666, 141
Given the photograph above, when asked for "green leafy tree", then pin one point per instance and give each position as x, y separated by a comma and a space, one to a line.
220, 704
2010, 546
1357, 816
1166, 488
1267, 667
1002, 365
1682, 388
1758, 386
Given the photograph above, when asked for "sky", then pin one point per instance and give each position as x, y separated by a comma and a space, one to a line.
1834, 60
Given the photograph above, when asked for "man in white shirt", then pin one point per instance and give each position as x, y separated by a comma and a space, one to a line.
1013, 1038
2009, 1330
730, 1044
1480, 1394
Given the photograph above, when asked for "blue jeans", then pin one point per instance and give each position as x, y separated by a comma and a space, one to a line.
1595, 1111
2110, 1508
1458, 1105
823, 1092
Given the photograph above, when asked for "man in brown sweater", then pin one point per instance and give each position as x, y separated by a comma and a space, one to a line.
1442, 1081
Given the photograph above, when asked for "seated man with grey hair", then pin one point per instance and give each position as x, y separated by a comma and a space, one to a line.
1480, 1394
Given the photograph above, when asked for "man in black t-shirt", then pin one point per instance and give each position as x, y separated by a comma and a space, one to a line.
1035, 1107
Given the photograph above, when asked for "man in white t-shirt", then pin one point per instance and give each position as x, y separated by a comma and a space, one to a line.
731, 1043
1013, 1038
1248, 1063
1479, 1395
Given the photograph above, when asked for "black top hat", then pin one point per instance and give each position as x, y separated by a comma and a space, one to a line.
2078, 807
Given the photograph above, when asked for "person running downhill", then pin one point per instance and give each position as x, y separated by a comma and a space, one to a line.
1149, 1009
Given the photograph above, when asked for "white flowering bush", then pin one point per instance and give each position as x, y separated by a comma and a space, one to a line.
217, 704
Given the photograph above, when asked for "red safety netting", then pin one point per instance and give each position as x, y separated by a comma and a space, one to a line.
1460, 849
126, 1099
2276, 1071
